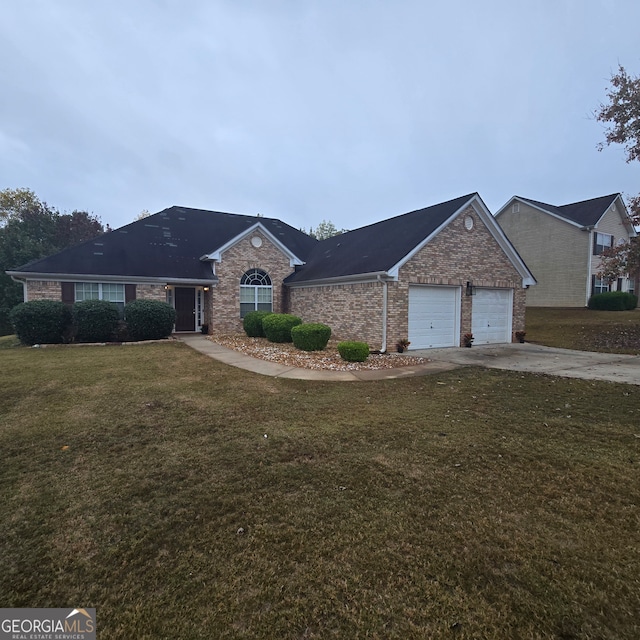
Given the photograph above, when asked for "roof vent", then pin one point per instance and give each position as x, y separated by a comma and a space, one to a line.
515, 207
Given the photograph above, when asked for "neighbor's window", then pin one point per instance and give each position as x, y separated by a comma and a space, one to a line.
600, 286
255, 292
601, 241
101, 291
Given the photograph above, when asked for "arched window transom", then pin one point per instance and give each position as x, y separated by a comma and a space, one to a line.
256, 292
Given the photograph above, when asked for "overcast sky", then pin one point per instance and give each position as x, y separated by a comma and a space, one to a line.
345, 110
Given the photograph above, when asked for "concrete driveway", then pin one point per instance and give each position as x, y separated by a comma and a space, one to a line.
516, 357
538, 359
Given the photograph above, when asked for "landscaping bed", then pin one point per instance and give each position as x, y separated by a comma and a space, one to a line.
329, 358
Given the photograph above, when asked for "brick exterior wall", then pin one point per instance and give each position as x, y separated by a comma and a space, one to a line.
51, 290
43, 290
222, 303
151, 292
453, 257
353, 311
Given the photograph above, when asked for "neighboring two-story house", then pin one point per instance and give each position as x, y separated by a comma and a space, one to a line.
562, 246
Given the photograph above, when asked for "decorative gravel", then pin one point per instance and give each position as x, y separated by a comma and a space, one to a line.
329, 358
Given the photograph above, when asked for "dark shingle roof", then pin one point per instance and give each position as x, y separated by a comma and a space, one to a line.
374, 248
585, 213
168, 244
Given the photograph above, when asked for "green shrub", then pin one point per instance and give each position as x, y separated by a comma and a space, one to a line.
311, 337
149, 319
252, 323
95, 320
277, 326
613, 301
41, 322
353, 351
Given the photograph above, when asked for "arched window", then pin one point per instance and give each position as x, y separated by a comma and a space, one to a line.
255, 292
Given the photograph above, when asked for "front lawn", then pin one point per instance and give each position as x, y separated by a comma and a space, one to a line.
585, 329
186, 499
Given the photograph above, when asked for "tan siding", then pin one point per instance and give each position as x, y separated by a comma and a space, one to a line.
556, 252
612, 224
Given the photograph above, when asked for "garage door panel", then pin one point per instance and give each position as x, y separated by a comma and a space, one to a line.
433, 317
491, 316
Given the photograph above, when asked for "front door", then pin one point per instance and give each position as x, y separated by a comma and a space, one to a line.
185, 301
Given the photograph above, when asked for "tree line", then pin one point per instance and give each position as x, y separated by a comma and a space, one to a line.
30, 229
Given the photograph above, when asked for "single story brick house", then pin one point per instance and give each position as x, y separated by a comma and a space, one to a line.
430, 275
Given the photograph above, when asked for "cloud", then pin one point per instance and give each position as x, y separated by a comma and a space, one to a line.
308, 110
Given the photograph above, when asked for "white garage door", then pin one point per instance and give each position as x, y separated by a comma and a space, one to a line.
491, 316
434, 318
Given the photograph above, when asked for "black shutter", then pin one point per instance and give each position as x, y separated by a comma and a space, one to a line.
593, 285
68, 292
129, 292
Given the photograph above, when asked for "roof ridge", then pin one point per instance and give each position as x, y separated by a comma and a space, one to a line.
572, 204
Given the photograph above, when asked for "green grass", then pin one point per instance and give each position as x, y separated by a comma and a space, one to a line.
471, 504
585, 329
9, 342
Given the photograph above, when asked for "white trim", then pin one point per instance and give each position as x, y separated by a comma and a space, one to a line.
83, 277
626, 218
385, 296
216, 255
539, 208
356, 278
199, 308
589, 271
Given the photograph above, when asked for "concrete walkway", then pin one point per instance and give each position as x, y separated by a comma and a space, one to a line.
515, 357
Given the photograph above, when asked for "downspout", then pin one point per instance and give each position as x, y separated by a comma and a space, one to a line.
589, 274
24, 287
383, 348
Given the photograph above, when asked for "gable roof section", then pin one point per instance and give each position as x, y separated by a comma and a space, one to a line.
380, 249
586, 213
216, 255
167, 245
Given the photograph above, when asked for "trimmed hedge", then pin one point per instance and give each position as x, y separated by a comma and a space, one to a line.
41, 322
95, 320
353, 351
613, 301
252, 323
149, 319
277, 326
311, 336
